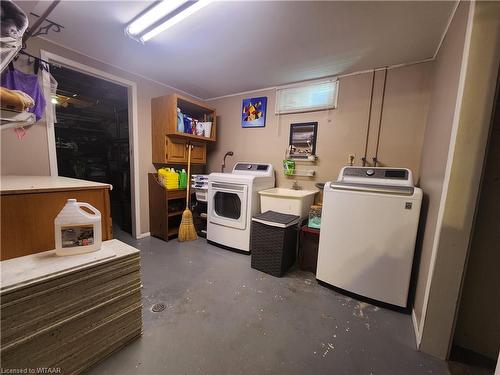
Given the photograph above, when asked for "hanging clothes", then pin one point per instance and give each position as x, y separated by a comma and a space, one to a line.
46, 81
13, 79
49, 85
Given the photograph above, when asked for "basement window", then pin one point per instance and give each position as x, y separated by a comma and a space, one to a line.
314, 96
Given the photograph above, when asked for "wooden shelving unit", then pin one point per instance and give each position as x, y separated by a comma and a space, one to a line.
176, 213
165, 209
170, 146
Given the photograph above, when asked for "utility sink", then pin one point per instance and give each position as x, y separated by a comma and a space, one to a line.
287, 201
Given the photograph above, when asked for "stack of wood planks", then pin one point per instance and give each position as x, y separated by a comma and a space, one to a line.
67, 313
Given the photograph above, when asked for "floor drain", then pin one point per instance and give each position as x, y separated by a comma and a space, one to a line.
158, 307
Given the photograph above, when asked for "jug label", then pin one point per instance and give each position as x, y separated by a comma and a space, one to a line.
81, 235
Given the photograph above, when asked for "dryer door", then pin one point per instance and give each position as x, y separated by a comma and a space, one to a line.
228, 204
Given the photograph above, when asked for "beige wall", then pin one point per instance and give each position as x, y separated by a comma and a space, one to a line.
461, 198
340, 132
29, 156
445, 79
478, 324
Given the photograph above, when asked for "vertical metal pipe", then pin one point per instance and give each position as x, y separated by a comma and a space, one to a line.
375, 159
369, 119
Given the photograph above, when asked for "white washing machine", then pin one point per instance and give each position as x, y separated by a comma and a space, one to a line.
232, 201
368, 230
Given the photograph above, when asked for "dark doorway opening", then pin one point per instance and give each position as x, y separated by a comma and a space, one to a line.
92, 136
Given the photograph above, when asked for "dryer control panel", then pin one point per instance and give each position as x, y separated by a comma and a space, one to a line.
255, 169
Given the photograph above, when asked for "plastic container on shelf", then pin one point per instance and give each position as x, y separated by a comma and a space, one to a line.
172, 179
76, 230
187, 125
168, 178
199, 128
162, 176
207, 128
182, 179
289, 167
180, 121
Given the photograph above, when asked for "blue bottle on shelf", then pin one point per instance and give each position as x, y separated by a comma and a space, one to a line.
187, 125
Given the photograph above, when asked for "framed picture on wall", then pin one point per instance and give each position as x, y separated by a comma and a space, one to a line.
253, 113
303, 140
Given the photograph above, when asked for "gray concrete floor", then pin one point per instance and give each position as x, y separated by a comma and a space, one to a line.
223, 317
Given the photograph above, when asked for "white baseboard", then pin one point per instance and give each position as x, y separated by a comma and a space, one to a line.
143, 235
418, 336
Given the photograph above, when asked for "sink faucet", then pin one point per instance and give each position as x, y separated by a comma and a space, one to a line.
296, 186
223, 165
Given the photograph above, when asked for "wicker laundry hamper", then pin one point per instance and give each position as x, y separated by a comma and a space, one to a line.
273, 242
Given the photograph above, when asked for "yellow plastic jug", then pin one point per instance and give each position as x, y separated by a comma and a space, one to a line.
162, 176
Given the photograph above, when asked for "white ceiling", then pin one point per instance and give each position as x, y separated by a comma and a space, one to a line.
235, 46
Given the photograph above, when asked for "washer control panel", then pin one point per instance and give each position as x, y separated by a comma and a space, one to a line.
376, 176
386, 173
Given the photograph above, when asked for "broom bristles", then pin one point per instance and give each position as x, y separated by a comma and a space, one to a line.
187, 232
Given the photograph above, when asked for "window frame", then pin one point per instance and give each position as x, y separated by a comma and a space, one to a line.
281, 89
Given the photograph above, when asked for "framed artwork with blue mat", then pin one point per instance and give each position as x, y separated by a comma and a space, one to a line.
253, 114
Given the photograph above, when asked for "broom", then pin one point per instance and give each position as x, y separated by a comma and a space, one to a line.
187, 232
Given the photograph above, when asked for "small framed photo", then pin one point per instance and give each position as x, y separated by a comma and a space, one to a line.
253, 114
303, 140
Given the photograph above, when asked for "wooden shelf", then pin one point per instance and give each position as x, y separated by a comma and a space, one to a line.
172, 231
176, 194
175, 213
191, 136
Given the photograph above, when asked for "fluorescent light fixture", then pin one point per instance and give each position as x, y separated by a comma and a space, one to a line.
163, 16
153, 15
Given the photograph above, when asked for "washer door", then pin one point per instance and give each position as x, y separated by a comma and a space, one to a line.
228, 204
